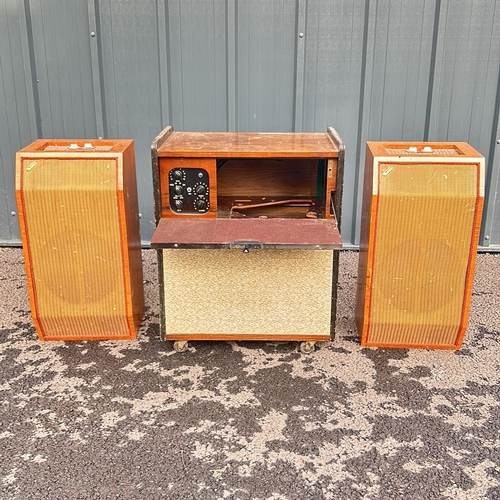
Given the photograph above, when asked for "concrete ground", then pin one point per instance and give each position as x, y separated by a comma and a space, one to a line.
248, 420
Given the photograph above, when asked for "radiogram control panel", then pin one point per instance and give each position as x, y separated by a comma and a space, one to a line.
189, 190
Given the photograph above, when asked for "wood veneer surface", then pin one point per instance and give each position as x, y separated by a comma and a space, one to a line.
245, 145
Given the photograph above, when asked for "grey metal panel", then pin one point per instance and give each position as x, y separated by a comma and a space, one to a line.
129, 69
490, 234
466, 92
333, 76
197, 44
374, 70
467, 70
17, 113
397, 66
61, 50
266, 45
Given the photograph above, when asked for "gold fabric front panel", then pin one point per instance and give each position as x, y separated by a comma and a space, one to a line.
424, 224
72, 224
262, 293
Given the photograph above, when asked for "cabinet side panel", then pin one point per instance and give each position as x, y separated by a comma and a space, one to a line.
131, 243
364, 272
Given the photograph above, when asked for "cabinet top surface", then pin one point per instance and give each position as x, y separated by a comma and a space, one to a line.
51, 147
422, 149
237, 144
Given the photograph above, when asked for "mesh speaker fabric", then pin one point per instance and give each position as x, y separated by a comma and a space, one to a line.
264, 293
74, 226
425, 216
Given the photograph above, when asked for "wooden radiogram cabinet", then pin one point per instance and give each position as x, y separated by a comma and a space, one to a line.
247, 235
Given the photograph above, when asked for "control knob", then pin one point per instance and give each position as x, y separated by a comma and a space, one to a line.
201, 204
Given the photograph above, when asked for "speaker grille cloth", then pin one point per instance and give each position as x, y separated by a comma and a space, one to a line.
424, 223
264, 292
72, 224
435, 152
68, 148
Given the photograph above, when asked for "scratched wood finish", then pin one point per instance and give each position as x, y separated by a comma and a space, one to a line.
248, 145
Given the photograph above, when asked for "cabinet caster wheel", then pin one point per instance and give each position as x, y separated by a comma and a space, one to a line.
307, 347
180, 345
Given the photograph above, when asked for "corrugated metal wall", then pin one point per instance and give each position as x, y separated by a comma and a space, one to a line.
374, 70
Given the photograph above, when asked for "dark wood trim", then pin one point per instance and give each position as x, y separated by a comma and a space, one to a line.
161, 288
337, 204
155, 145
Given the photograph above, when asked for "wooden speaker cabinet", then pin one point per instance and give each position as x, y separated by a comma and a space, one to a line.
422, 206
247, 235
79, 221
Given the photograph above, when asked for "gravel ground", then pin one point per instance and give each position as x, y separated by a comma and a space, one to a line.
248, 420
